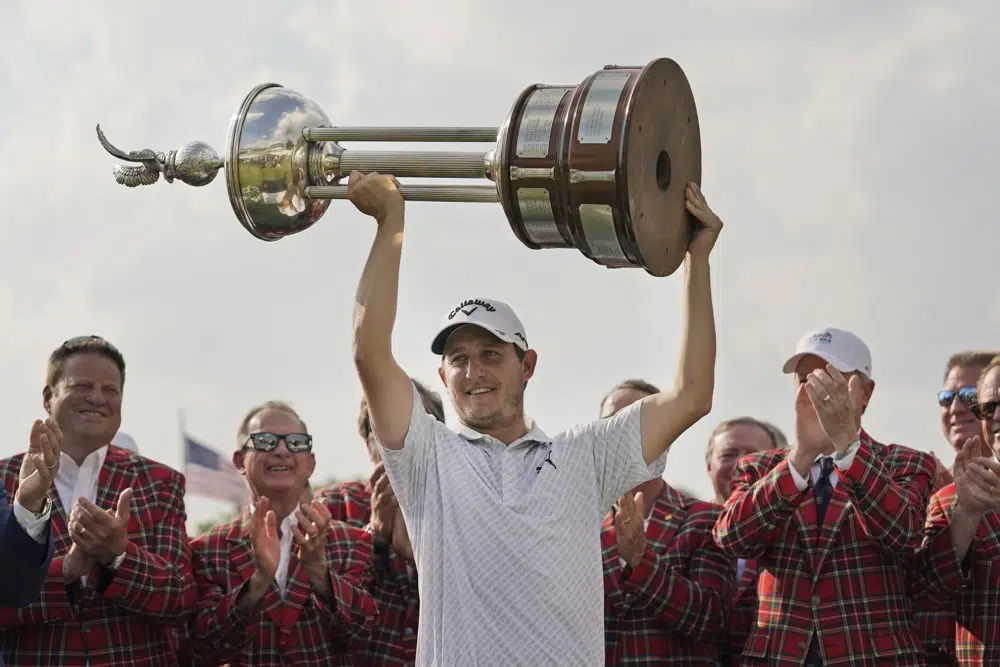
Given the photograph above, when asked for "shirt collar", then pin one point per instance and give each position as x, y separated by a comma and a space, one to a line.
93, 461
534, 433
285, 528
861, 436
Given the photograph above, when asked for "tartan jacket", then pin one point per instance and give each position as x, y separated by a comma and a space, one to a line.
848, 582
393, 640
959, 603
671, 609
301, 629
742, 612
120, 618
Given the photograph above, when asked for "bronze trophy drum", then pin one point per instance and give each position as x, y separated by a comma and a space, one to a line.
600, 166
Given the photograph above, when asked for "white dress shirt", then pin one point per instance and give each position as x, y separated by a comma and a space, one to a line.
285, 546
843, 464
74, 481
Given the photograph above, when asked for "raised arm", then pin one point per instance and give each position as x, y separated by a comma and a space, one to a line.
671, 412
387, 387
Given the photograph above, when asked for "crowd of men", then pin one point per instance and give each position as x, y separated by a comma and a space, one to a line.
494, 543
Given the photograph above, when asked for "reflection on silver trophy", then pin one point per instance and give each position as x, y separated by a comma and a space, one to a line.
600, 166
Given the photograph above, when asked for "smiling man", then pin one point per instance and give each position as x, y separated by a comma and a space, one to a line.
120, 575
957, 574
505, 520
282, 584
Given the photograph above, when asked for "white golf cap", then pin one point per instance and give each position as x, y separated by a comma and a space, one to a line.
837, 347
495, 316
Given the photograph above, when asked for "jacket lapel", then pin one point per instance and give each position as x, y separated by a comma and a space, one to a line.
838, 509
240, 553
297, 590
116, 475
58, 523
805, 515
666, 518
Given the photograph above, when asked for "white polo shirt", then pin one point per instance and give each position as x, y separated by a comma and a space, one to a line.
507, 538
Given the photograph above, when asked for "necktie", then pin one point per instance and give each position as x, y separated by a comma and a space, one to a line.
824, 489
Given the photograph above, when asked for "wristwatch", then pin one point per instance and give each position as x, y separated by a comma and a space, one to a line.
46, 506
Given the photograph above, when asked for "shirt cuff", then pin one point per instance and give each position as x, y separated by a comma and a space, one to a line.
117, 562
801, 483
845, 462
32, 525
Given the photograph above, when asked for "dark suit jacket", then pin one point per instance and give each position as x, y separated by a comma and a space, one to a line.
25, 561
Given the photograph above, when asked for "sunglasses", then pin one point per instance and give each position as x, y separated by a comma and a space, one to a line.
266, 442
984, 411
966, 394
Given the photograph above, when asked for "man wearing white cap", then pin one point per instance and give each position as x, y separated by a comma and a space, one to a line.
833, 522
505, 520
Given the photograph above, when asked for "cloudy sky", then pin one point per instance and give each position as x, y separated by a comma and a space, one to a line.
850, 148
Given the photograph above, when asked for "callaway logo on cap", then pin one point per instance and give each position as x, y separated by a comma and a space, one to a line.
495, 316
837, 347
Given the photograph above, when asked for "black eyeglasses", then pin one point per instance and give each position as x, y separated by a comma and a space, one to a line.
266, 442
984, 411
967, 395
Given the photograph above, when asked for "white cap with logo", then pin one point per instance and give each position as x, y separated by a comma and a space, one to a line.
495, 316
837, 347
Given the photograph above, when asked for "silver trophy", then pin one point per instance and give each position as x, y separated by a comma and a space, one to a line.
600, 166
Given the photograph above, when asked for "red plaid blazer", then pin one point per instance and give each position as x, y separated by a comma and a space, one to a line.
122, 618
671, 609
742, 612
849, 581
393, 641
300, 629
959, 603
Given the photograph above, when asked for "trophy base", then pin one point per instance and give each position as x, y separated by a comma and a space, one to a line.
661, 154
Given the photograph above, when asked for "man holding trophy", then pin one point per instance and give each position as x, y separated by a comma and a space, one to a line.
505, 520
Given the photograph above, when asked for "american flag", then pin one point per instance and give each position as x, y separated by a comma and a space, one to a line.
209, 474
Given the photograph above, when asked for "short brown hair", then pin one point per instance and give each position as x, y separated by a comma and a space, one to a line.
430, 399
280, 406
993, 363
979, 358
778, 439
631, 383
82, 345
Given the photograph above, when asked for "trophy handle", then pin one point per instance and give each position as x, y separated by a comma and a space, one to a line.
196, 163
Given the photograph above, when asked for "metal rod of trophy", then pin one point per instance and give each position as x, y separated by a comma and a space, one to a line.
428, 134
449, 193
417, 164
